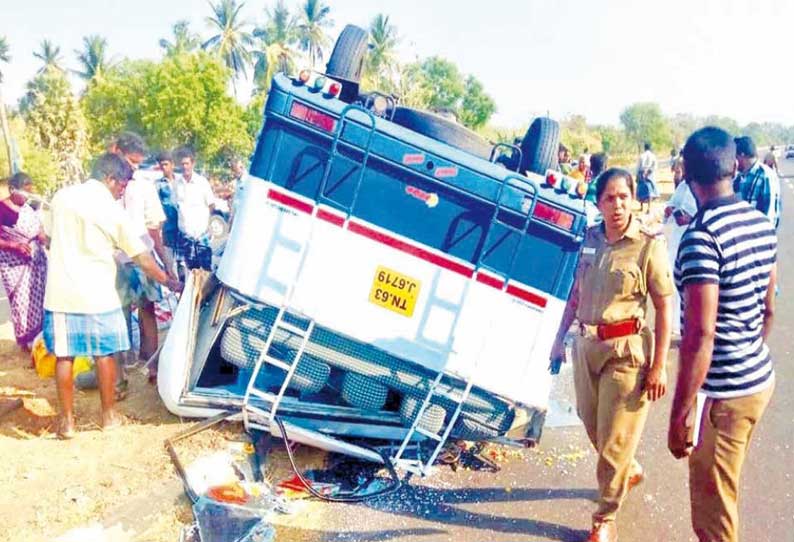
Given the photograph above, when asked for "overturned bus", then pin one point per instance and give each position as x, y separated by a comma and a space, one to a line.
386, 278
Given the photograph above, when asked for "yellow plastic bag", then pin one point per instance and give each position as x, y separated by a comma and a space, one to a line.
45, 362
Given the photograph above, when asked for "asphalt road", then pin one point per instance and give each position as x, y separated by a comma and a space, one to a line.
547, 495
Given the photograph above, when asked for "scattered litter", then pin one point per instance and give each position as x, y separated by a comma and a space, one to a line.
211, 470
76, 494
294, 488
477, 455
226, 522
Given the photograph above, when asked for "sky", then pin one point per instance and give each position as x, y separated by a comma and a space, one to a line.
590, 57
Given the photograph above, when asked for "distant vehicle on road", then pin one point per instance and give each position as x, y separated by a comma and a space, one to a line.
790, 151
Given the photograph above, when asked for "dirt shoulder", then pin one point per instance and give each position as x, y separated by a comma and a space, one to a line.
122, 479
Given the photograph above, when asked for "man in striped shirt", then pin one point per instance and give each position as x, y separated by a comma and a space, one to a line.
726, 272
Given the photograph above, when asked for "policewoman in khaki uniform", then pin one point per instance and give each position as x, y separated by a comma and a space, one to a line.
619, 363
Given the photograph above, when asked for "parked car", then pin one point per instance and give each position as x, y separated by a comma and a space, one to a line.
383, 278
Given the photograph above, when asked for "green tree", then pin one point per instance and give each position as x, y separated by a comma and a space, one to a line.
313, 21
180, 101
726, 123
443, 82
56, 123
233, 42
578, 135
477, 106
277, 38
37, 162
616, 143
50, 55
381, 62
5, 58
93, 59
438, 85
412, 87
184, 40
644, 122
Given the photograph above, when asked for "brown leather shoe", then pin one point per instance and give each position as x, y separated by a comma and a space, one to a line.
604, 532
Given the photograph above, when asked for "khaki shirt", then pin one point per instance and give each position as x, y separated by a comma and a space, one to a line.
614, 280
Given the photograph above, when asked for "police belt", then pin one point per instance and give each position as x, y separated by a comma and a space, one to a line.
611, 331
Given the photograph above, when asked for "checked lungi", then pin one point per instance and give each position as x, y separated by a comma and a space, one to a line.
72, 334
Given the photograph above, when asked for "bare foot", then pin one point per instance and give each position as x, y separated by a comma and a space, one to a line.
66, 429
111, 420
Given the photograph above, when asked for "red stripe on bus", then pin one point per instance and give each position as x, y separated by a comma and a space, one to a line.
410, 249
413, 250
330, 217
490, 281
527, 296
289, 201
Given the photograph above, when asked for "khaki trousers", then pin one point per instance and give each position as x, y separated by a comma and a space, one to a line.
715, 466
613, 407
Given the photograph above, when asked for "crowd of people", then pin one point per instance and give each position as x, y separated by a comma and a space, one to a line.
720, 269
114, 244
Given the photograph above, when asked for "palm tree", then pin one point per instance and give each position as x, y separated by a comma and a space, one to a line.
5, 58
381, 61
93, 58
233, 42
185, 41
311, 29
50, 54
277, 37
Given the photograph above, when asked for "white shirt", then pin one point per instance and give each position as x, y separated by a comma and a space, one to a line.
684, 200
86, 227
239, 192
647, 161
193, 199
142, 205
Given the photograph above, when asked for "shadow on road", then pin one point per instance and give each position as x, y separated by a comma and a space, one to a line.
440, 506
288, 533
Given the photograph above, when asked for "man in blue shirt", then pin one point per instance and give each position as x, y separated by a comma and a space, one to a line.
756, 183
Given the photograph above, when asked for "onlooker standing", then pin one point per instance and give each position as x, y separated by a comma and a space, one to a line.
581, 171
646, 186
728, 315
619, 362
166, 186
142, 204
679, 212
564, 159
83, 315
23, 260
598, 163
647, 161
770, 159
239, 179
195, 202
756, 183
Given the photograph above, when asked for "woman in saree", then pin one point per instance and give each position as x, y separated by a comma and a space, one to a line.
23, 261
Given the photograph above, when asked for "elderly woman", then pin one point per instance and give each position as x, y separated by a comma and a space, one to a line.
23, 261
619, 359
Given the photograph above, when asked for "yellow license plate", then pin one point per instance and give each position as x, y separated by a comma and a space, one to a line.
394, 291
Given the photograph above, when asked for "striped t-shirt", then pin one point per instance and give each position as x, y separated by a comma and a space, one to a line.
731, 244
